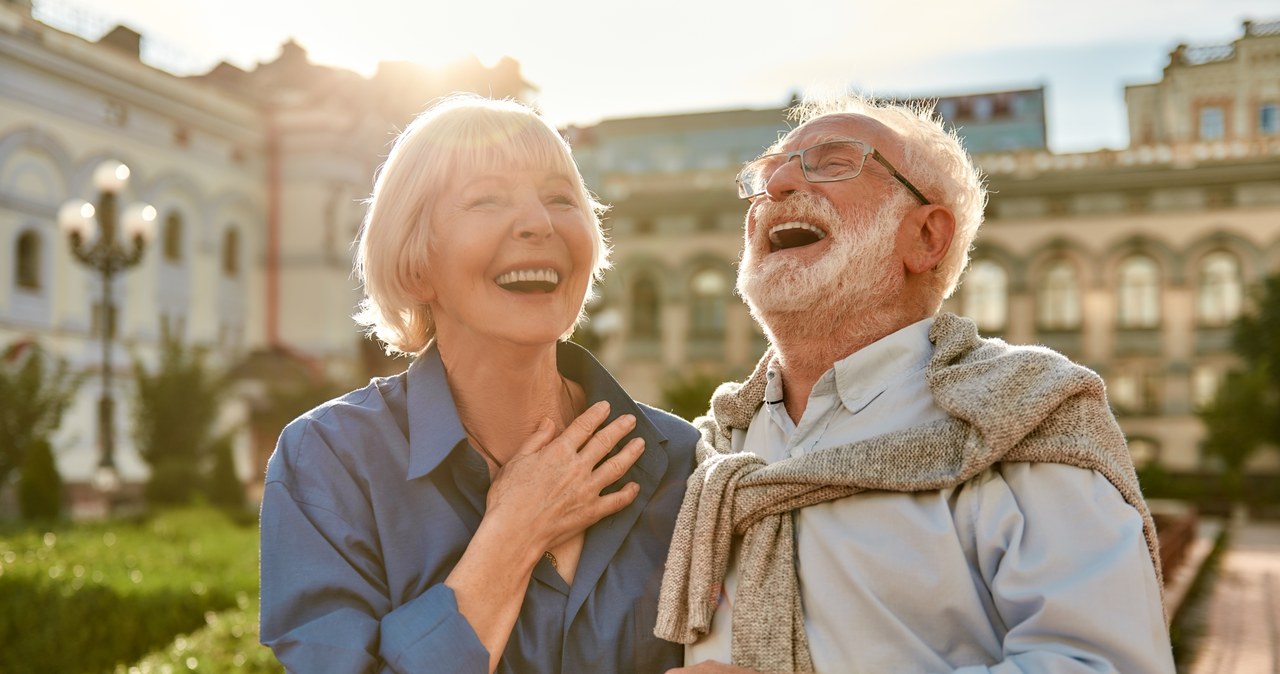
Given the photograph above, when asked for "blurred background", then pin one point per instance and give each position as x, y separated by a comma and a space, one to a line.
181, 182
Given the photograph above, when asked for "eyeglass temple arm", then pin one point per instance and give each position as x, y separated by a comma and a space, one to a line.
875, 154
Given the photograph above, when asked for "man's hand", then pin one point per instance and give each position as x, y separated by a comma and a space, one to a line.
711, 667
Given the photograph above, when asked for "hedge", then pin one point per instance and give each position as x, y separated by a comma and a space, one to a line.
86, 598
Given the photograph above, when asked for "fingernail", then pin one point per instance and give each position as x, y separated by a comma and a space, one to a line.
603, 404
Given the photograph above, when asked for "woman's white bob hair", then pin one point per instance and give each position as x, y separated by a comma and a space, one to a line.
460, 134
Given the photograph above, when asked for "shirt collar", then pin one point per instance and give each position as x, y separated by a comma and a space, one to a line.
435, 429
866, 373
863, 375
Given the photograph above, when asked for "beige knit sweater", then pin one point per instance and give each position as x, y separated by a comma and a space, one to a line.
1006, 404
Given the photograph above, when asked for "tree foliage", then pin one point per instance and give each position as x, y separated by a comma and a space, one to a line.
224, 487
689, 396
176, 410
1245, 414
35, 391
40, 485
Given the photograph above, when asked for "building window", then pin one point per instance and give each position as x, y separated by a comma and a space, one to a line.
1139, 287
1212, 123
644, 308
173, 238
1134, 392
1059, 305
708, 222
947, 109
172, 326
983, 107
1143, 451
1205, 380
27, 266
708, 290
986, 298
1269, 119
231, 252
1221, 293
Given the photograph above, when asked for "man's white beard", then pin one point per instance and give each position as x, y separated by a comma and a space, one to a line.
855, 276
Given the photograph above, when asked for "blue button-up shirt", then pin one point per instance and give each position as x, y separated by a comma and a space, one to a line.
370, 500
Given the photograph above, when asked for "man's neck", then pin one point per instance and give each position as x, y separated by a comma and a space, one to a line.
803, 355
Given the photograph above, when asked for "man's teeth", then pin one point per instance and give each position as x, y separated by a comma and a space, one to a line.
526, 275
776, 232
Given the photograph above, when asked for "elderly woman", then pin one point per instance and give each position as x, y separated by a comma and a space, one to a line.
502, 505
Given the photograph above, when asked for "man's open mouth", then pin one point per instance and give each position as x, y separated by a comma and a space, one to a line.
794, 235
532, 281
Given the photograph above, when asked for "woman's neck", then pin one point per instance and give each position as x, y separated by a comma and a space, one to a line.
503, 392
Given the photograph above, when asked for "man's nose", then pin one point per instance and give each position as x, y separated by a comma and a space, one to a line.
785, 179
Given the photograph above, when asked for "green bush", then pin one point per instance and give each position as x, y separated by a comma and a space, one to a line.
227, 644
225, 489
39, 484
173, 481
86, 598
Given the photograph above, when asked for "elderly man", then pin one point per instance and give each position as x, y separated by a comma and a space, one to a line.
888, 491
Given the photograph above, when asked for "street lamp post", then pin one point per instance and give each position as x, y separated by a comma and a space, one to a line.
91, 231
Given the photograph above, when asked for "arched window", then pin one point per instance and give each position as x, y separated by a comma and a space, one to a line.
1139, 287
1143, 451
644, 308
708, 290
173, 238
231, 252
27, 264
985, 295
1221, 292
1059, 303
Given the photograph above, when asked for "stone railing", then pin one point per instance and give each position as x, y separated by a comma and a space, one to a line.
1180, 155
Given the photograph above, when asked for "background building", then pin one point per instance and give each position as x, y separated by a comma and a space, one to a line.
1131, 260
258, 179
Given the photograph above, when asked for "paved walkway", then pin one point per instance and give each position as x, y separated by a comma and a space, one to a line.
1243, 613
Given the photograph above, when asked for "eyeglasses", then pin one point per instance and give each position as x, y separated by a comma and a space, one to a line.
827, 162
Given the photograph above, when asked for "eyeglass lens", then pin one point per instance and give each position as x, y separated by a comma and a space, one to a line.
824, 162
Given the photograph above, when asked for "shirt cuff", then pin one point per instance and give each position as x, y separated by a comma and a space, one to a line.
431, 634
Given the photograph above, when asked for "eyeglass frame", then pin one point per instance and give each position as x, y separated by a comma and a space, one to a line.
804, 170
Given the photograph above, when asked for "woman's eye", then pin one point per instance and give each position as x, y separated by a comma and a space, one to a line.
562, 199
483, 201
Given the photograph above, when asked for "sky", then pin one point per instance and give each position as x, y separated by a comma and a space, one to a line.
596, 59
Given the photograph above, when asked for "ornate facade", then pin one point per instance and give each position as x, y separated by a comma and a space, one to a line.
258, 179
1132, 261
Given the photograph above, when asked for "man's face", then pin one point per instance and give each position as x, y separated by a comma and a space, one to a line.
824, 247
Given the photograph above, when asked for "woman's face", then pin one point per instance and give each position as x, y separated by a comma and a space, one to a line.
510, 256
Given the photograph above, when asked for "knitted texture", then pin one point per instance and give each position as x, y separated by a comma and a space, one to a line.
1005, 404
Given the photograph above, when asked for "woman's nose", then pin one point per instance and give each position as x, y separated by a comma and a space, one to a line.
533, 222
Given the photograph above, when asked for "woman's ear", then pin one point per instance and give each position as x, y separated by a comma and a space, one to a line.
929, 230
419, 286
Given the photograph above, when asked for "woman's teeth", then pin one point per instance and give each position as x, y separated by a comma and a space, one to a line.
529, 280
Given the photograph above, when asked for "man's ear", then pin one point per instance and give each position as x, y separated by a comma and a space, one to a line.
928, 231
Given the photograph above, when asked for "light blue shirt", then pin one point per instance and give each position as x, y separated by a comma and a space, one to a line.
1024, 568
371, 499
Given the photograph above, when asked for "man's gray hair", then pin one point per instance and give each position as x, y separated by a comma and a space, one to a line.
934, 159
